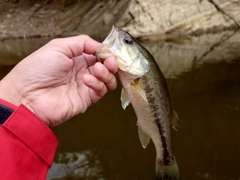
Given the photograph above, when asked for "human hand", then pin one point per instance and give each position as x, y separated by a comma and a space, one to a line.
60, 80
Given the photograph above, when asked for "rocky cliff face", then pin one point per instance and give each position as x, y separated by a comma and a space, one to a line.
163, 19
148, 20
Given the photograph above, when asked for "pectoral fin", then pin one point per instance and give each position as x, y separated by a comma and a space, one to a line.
124, 99
144, 139
141, 92
175, 121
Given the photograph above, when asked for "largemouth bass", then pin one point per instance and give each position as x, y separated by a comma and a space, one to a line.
144, 86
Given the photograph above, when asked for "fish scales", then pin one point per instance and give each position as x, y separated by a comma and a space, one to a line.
158, 100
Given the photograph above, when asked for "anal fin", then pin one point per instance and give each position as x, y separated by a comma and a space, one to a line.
144, 139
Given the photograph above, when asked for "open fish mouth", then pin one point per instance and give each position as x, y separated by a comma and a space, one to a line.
109, 40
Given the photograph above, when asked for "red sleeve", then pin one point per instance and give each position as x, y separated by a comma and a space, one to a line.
27, 146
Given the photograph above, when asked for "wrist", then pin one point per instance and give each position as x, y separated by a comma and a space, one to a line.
12, 101
8, 92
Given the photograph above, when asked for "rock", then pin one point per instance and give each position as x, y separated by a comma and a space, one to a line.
168, 19
76, 165
9, 16
147, 20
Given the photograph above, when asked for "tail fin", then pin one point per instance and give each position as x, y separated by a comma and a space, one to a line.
167, 172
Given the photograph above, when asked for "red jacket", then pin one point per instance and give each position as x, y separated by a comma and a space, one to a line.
27, 146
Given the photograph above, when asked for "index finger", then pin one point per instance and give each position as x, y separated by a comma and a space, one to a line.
76, 46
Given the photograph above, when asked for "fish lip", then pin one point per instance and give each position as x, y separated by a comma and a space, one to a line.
112, 34
105, 51
114, 27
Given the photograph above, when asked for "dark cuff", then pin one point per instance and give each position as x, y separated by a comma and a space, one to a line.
5, 113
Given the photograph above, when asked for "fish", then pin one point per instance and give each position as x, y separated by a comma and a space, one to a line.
145, 87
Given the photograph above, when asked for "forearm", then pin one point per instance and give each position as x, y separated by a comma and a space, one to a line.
27, 145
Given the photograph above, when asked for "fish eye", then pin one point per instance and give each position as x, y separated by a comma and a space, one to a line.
128, 40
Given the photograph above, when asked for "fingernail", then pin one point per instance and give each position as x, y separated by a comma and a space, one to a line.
104, 71
92, 79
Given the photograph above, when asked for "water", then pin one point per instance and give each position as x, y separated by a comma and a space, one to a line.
203, 76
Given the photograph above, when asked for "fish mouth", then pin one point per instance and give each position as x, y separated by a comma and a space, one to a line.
105, 50
109, 40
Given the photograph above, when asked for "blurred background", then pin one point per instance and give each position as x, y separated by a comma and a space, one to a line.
196, 45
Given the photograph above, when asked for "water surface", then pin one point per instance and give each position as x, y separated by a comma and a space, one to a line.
203, 77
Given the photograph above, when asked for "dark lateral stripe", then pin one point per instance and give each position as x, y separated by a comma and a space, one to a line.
166, 157
154, 109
